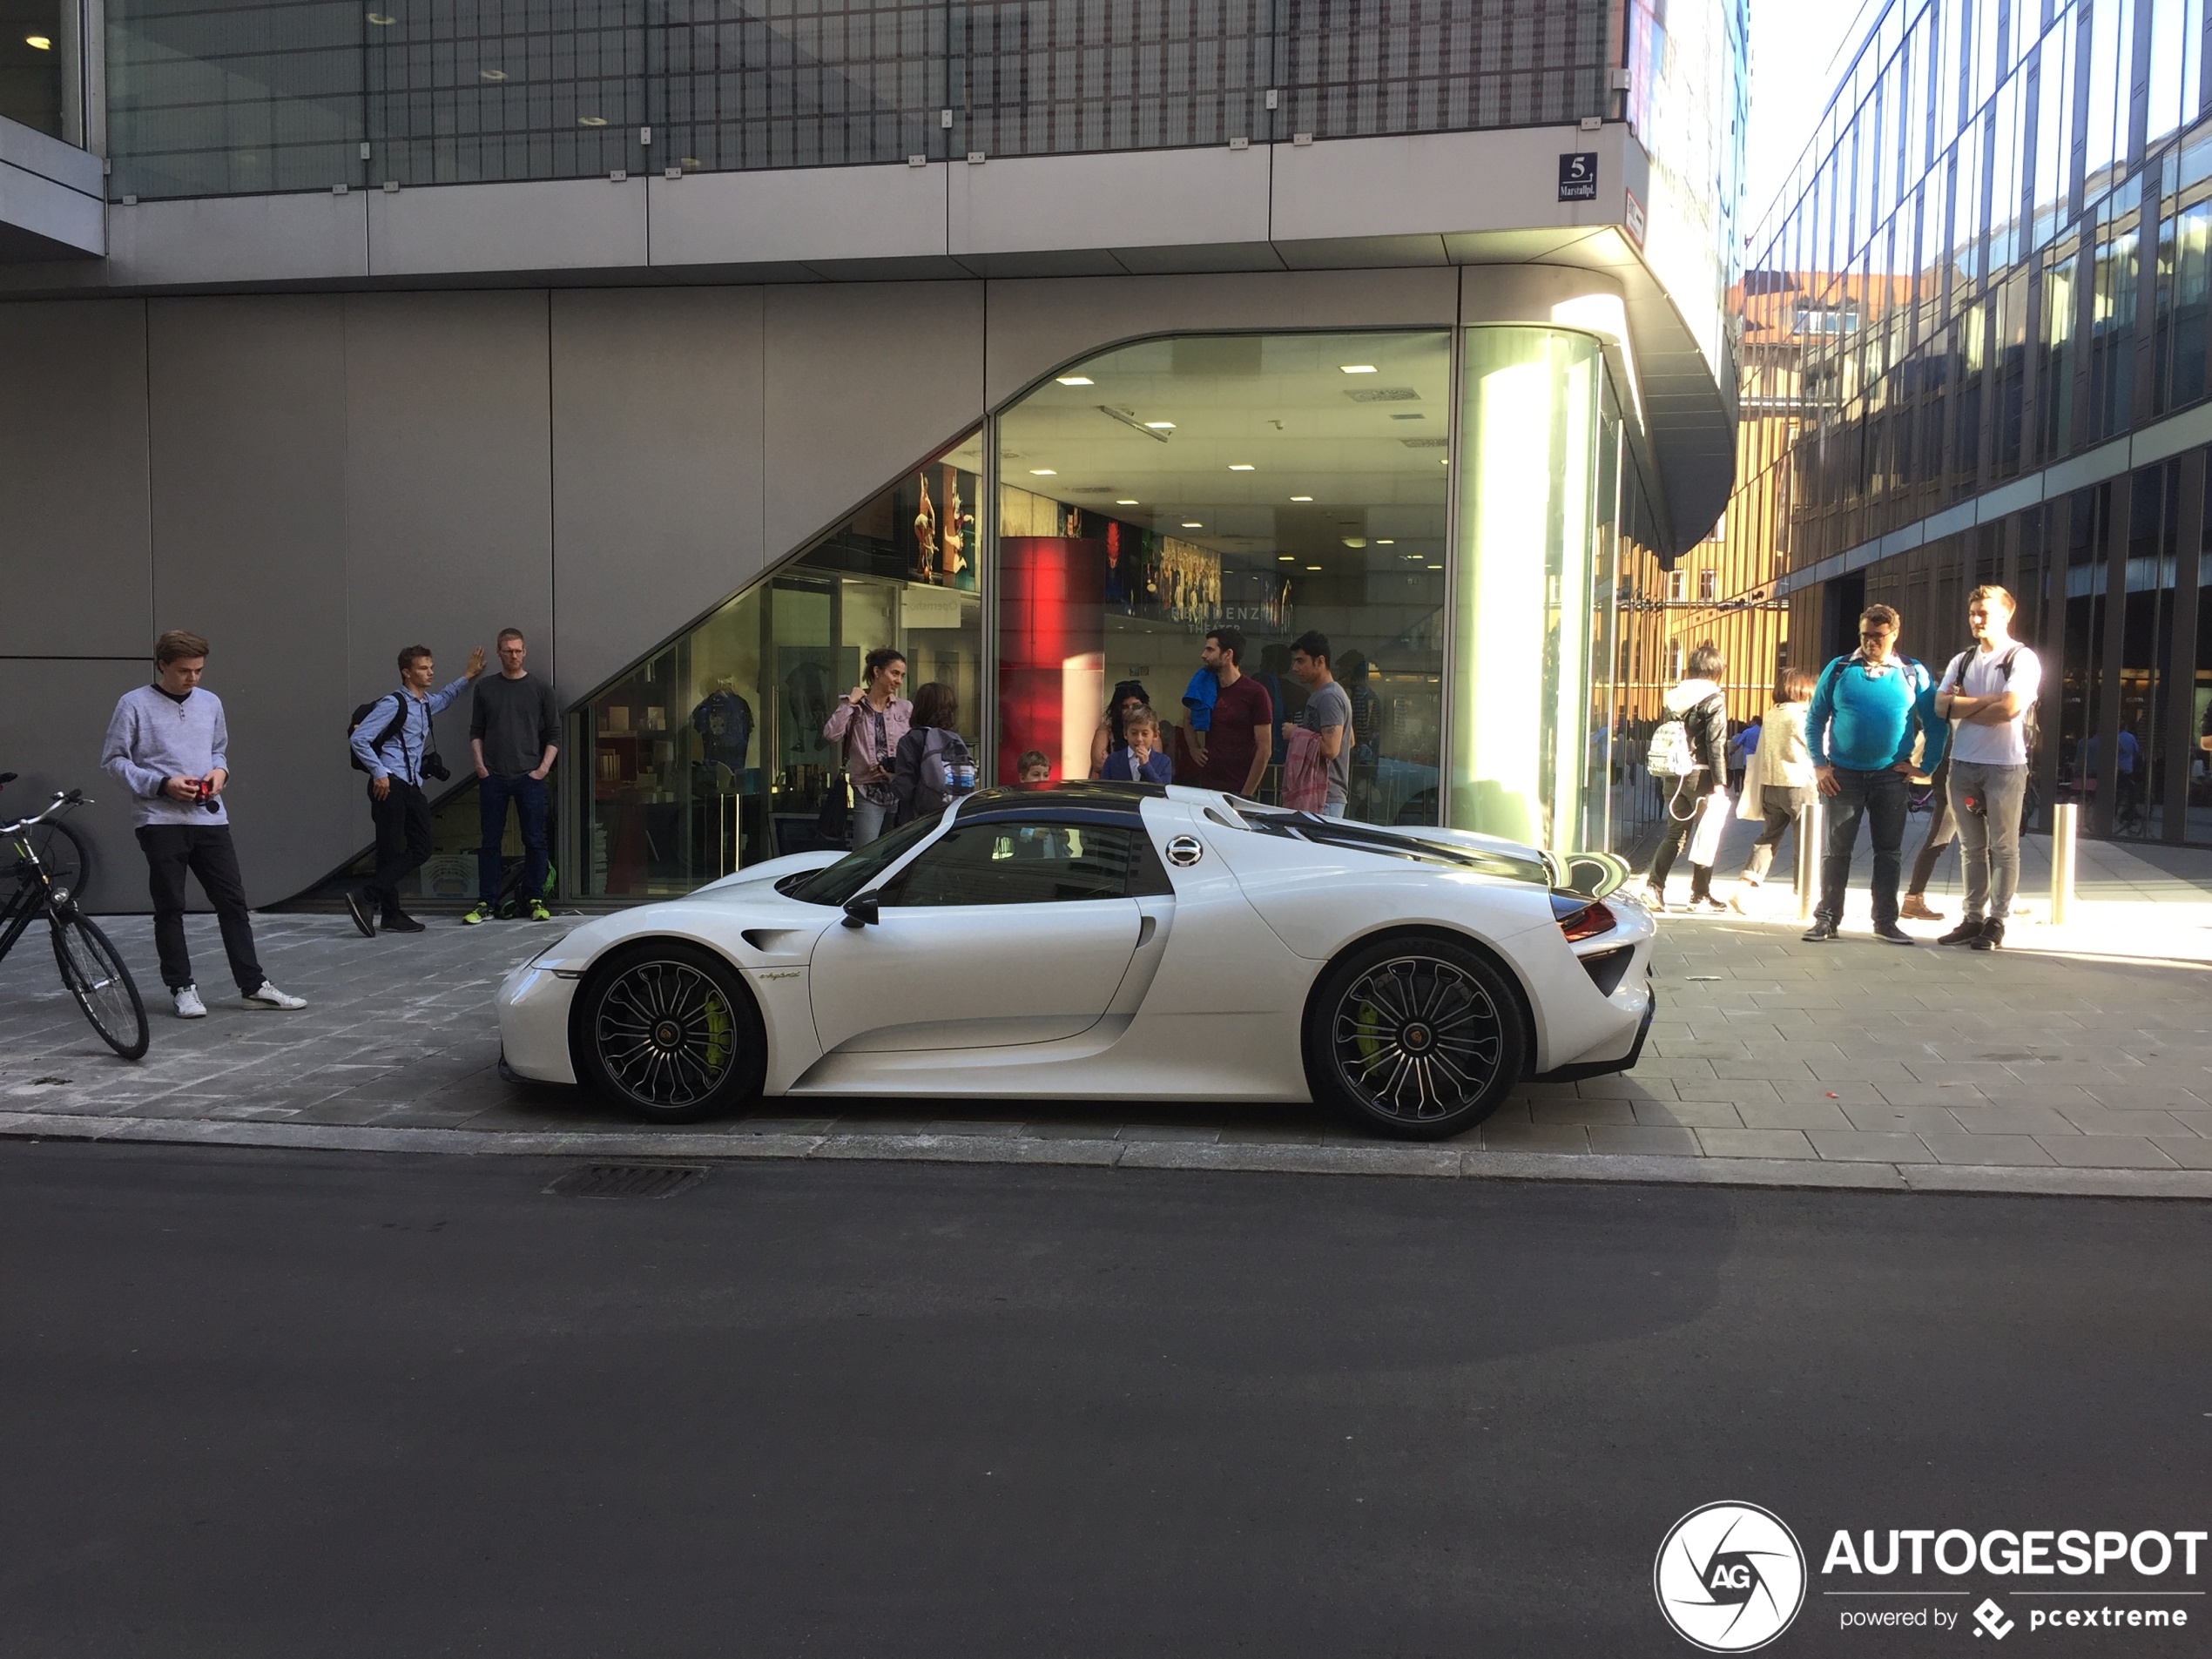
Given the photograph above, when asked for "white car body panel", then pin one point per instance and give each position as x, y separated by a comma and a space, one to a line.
1201, 992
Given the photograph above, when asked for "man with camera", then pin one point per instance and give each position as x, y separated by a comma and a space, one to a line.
168, 744
391, 743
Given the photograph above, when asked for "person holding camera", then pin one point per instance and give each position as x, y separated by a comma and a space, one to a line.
391, 743
169, 744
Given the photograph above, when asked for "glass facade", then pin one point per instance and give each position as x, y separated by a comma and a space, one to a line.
1140, 500
41, 66
279, 95
709, 754
1973, 326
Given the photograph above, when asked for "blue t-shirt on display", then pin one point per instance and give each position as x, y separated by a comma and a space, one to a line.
1198, 697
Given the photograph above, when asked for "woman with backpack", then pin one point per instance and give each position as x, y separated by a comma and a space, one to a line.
1778, 783
1689, 760
933, 763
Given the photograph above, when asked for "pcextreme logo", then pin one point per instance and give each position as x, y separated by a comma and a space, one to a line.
1729, 1577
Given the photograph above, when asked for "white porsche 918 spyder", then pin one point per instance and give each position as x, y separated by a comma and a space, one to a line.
1094, 940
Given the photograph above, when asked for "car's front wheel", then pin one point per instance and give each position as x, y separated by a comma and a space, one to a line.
667, 1028
1417, 1038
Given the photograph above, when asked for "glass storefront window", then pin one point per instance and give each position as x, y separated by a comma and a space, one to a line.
1270, 483
708, 755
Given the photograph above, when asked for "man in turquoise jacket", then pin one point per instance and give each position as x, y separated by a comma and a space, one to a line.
1866, 711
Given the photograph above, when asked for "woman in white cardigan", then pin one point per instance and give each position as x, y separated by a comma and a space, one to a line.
1777, 783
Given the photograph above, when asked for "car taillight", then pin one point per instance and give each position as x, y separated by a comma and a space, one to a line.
1580, 918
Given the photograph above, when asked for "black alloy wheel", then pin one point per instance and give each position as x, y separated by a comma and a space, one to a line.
1420, 1038
668, 1029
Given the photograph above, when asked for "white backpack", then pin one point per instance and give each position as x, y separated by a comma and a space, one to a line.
1669, 755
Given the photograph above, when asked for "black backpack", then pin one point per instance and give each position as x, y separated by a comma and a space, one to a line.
399, 719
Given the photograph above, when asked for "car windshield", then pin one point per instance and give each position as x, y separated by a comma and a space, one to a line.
857, 870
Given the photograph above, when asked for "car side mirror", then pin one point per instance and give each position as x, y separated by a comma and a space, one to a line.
860, 909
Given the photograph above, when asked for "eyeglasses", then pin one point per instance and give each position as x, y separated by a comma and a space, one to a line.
1875, 638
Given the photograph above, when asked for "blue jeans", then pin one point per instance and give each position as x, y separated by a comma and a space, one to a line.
1332, 809
1879, 798
868, 820
528, 795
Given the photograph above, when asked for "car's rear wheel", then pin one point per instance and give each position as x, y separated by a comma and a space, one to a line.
668, 1029
1417, 1038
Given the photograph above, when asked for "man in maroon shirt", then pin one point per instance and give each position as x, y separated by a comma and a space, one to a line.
1243, 720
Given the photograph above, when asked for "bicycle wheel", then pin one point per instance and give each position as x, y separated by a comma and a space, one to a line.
101, 984
59, 848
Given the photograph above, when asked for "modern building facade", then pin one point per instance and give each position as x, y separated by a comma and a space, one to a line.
1974, 351
714, 348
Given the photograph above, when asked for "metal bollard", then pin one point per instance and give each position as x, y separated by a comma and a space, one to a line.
1812, 824
2063, 824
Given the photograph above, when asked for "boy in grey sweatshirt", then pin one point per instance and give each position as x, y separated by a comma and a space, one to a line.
168, 744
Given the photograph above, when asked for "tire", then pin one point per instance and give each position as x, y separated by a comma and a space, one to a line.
101, 984
1417, 1037
63, 851
669, 1031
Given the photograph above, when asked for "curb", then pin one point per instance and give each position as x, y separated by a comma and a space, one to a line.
1430, 1163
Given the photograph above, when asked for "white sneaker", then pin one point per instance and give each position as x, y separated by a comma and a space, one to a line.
269, 997
189, 1007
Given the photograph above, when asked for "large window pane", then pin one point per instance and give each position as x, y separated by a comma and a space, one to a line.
1270, 483
709, 756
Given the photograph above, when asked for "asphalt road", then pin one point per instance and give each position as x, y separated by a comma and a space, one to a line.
273, 1404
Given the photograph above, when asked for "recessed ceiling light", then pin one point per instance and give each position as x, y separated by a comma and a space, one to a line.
1355, 541
591, 120
1435, 567
1385, 541
1125, 501
38, 43
1042, 472
1240, 466
1193, 524
1286, 558
689, 161
1312, 567
381, 20
1301, 498
1356, 369
491, 74
1159, 426
1076, 379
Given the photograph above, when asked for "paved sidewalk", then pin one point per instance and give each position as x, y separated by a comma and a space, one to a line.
1773, 1061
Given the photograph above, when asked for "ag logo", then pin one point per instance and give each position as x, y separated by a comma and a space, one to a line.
1729, 1577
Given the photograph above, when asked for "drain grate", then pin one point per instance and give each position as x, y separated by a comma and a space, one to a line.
628, 1180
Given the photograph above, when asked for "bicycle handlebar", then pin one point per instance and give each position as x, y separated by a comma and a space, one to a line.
62, 800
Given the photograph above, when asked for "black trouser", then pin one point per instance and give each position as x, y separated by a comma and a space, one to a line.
1879, 798
1684, 794
402, 841
205, 851
1941, 828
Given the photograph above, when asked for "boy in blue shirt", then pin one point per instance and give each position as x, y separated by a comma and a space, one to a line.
1866, 711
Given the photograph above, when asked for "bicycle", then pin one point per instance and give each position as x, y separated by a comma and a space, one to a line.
91, 969
60, 849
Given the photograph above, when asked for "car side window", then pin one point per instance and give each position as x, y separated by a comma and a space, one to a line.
1018, 863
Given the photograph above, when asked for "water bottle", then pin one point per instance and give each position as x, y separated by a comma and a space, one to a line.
964, 777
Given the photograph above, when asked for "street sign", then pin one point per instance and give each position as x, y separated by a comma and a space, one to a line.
1578, 176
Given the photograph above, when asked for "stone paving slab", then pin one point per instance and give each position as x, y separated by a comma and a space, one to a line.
1773, 1061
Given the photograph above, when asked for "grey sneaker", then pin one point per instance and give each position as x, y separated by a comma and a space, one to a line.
269, 997
189, 1007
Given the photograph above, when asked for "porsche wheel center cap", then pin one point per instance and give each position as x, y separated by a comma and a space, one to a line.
668, 1034
1415, 1038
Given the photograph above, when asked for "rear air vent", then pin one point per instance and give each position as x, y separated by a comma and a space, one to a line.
628, 1180
1606, 968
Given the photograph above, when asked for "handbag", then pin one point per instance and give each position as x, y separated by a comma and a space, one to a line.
1705, 841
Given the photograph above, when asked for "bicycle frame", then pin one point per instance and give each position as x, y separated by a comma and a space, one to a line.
34, 898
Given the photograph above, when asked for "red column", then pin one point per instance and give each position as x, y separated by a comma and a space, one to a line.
1052, 611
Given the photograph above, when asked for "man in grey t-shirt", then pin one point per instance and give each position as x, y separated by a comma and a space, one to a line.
1327, 712
514, 737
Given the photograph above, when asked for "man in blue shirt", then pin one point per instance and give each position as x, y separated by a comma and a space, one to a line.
389, 744
1866, 711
